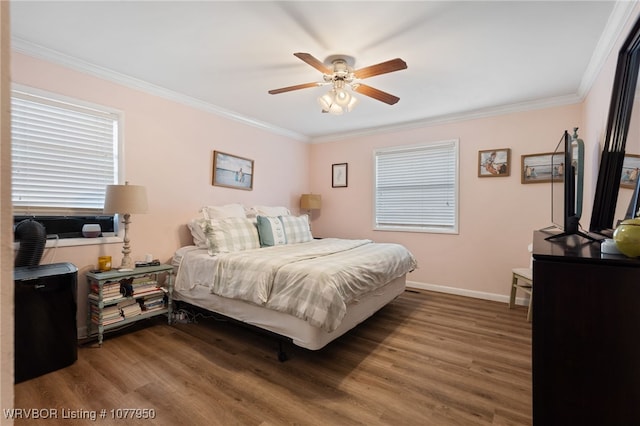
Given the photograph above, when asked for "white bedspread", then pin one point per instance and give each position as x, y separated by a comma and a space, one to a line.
313, 281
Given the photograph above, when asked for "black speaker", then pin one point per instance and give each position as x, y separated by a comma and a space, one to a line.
46, 336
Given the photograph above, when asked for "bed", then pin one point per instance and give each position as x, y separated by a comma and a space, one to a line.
309, 291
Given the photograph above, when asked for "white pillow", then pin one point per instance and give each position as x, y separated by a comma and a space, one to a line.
197, 232
271, 231
219, 212
230, 234
250, 212
271, 211
296, 229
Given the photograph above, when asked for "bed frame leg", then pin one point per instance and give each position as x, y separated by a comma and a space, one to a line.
282, 355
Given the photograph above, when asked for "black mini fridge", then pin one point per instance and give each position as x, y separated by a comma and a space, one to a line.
46, 336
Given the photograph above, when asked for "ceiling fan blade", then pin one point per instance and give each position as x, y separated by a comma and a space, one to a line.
290, 88
381, 68
385, 97
309, 59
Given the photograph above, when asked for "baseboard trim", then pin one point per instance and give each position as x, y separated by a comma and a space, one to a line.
82, 331
466, 292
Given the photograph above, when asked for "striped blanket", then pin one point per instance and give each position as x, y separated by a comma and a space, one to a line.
313, 281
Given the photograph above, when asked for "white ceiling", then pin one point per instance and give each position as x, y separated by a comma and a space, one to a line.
464, 58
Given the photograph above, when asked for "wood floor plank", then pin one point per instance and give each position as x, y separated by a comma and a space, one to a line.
427, 358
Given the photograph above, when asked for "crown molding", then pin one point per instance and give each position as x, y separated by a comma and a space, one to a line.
620, 15
456, 117
50, 55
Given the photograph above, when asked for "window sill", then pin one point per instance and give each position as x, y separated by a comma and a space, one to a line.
424, 229
72, 242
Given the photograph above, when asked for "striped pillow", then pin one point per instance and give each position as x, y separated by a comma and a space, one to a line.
230, 234
296, 229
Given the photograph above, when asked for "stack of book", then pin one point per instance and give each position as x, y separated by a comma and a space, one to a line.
153, 302
145, 286
129, 308
110, 290
110, 315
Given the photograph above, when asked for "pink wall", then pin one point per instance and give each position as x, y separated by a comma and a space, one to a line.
168, 147
497, 215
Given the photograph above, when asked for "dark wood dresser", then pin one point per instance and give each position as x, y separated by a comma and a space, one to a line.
586, 334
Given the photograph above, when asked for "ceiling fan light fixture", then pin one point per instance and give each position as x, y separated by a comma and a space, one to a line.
343, 97
352, 103
329, 103
341, 73
326, 100
337, 100
336, 109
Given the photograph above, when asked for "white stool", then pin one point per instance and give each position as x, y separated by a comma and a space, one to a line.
523, 280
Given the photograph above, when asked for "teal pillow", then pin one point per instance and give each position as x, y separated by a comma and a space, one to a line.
271, 231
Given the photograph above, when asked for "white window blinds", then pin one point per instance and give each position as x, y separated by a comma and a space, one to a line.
63, 156
416, 188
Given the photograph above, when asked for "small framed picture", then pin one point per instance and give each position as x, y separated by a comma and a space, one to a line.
232, 171
539, 168
339, 175
494, 162
630, 171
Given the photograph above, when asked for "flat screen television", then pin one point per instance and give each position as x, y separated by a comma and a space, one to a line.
567, 181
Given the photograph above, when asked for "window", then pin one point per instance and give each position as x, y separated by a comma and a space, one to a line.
64, 154
416, 188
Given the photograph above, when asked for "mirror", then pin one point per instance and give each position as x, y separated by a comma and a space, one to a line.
605, 203
630, 176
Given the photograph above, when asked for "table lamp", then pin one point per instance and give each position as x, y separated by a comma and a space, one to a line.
310, 202
125, 199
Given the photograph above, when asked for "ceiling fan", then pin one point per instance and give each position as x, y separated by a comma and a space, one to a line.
340, 74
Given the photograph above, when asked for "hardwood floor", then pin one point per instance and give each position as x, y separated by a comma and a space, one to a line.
425, 359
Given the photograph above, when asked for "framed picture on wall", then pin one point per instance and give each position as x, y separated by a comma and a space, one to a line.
539, 168
232, 171
339, 175
494, 162
630, 171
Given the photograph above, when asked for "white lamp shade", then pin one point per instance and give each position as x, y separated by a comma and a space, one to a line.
125, 199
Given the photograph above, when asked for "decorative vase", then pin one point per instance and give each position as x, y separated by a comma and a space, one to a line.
627, 237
